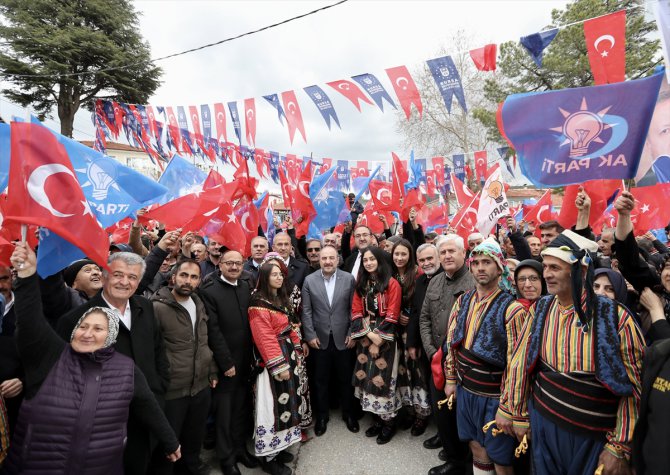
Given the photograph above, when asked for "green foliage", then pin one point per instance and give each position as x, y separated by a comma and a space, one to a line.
52, 38
565, 63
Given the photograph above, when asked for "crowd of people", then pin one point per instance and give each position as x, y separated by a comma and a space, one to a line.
534, 350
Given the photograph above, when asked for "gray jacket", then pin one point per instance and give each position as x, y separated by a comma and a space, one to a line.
319, 318
440, 297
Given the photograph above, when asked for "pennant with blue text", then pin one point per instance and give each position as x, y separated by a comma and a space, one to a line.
448, 80
375, 89
273, 99
323, 103
235, 116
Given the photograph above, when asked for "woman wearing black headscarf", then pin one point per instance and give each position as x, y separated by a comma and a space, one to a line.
529, 282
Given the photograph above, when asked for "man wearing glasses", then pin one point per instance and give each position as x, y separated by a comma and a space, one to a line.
227, 300
313, 250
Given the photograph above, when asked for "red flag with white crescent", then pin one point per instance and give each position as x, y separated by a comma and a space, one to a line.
381, 194
151, 115
220, 121
292, 168
363, 169
430, 182
481, 165
293, 115
303, 208
325, 166
465, 220
438, 167
463, 194
406, 90
400, 177
600, 192
173, 128
351, 91
262, 163
606, 47
248, 219
541, 212
250, 121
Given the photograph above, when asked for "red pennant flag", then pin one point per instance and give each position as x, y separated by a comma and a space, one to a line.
151, 116
484, 57
651, 209
293, 115
119, 114
250, 121
540, 212
246, 184
430, 182
327, 163
353, 173
468, 171
351, 91
606, 47
195, 119
406, 90
381, 194
213, 179
287, 190
414, 199
400, 177
481, 167
465, 220
262, 163
303, 209
600, 191
438, 167
363, 169
45, 191
173, 129
220, 121
463, 194
292, 168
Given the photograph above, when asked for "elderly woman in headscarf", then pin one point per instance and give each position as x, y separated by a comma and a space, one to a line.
78, 395
530, 284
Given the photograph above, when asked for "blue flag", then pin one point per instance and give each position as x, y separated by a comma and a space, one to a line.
414, 173
575, 135
537, 42
447, 179
4, 156
459, 167
328, 202
420, 165
181, 117
181, 178
273, 99
448, 80
375, 89
274, 166
502, 151
235, 116
363, 183
206, 115
323, 103
343, 182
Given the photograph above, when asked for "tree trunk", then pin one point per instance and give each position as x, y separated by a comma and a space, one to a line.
66, 111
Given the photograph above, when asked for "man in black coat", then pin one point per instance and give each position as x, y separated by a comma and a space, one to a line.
352, 258
138, 338
259, 247
298, 269
226, 299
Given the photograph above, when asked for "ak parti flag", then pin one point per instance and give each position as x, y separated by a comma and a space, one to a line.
45, 191
606, 47
601, 192
485, 57
651, 210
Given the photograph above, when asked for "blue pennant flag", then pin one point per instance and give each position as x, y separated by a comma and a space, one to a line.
414, 173
343, 174
447, 179
448, 80
235, 116
328, 202
375, 89
421, 170
459, 167
323, 103
4, 155
502, 151
574, 135
537, 42
181, 178
181, 117
259, 201
361, 184
273, 99
206, 115
274, 166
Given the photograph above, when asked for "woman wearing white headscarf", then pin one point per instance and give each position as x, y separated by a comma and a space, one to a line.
78, 395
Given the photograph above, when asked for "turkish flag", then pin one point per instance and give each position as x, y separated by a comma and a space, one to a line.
438, 167
287, 189
302, 208
541, 212
226, 228
600, 192
189, 212
293, 115
213, 179
606, 47
353, 173
292, 168
463, 194
363, 169
250, 121
430, 182
195, 119
381, 194
651, 209
481, 165
119, 113
484, 57
45, 191
370, 217
406, 90
220, 121
465, 220
400, 177
434, 216
6, 251
246, 184
120, 232
248, 219
173, 129
262, 163
413, 199
351, 91
327, 163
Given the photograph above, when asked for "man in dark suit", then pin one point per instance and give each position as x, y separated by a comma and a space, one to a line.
352, 259
138, 338
326, 309
259, 247
297, 268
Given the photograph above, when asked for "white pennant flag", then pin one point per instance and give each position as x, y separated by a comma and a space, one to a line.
493, 203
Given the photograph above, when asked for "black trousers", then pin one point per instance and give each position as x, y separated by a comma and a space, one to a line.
456, 450
232, 409
187, 416
341, 364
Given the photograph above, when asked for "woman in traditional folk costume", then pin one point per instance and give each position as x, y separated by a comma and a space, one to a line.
277, 415
412, 380
375, 312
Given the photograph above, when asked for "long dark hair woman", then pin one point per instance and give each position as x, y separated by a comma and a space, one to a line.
374, 319
78, 395
278, 403
412, 379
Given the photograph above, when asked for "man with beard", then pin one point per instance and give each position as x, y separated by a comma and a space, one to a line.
211, 262
313, 249
226, 299
181, 317
259, 247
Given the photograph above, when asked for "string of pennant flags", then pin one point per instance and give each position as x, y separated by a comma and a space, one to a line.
163, 131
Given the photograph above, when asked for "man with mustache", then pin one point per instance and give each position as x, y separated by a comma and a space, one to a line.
182, 319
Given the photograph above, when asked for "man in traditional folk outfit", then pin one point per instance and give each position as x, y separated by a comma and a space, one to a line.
483, 326
575, 373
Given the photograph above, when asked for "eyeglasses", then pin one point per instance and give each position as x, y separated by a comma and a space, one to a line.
313, 249
234, 263
362, 235
532, 279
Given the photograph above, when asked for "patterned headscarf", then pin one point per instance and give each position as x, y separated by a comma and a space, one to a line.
491, 248
112, 319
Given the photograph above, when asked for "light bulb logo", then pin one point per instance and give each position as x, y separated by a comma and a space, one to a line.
102, 175
495, 191
582, 128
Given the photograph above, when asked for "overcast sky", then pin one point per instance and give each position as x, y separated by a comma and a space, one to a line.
353, 38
